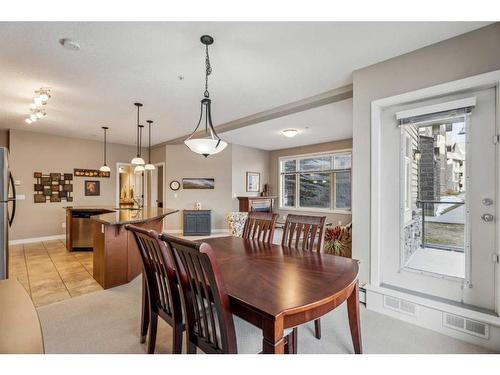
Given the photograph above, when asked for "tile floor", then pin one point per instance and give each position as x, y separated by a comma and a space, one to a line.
50, 273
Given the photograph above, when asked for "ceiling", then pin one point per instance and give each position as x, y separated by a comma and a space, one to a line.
321, 124
256, 66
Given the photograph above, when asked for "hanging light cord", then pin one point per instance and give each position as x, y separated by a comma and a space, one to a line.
208, 71
138, 149
104, 146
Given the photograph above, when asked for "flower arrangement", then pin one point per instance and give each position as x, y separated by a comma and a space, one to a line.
338, 241
236, 221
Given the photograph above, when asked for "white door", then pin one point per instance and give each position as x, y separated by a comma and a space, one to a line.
154, 188
448, 234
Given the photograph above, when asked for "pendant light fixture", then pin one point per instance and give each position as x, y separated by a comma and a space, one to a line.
210, 143
140, 168
149, 166
138, 160
105, 167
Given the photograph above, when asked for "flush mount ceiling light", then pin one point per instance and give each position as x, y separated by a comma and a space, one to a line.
149, 166
290, 133
105, 167
210, 143
42, 95
138, 160
69, 44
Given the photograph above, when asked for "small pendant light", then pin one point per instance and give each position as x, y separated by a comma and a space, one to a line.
138, 160
140, 168
211, 143
149, 166
105, 167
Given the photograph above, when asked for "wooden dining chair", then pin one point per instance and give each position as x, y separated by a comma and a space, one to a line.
260, 226
161, 293
210, 324
306, 233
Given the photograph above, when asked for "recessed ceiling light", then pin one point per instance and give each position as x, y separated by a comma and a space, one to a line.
290, 133
69, 44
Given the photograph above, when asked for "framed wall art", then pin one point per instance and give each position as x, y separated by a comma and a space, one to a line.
92, 188
52, 187
253, 182
198, 183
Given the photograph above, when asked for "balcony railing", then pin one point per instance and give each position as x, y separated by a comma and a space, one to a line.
429, 206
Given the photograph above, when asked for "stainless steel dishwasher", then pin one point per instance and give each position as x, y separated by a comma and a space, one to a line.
81, 231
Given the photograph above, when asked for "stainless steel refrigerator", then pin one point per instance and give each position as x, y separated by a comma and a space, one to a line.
7, 210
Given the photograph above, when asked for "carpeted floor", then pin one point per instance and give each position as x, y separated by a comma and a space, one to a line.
108, 322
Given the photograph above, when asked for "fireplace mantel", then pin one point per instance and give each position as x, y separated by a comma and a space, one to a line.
263, 204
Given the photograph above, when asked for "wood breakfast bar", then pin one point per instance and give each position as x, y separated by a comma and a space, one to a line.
116, 256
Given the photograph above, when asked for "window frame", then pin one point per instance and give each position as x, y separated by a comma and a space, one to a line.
333, 179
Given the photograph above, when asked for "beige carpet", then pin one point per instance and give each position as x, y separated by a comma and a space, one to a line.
108, 322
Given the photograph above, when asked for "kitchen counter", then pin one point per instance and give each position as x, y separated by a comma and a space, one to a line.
124, 216
116, 257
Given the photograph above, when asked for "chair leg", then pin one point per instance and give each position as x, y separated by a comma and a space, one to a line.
144, 311
295, 335
191, 348
152, 332
177, 339
317, 328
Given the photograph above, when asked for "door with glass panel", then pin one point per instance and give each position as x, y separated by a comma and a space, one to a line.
320, 182
448, 180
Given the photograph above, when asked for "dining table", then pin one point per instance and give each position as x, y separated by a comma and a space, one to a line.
276, 287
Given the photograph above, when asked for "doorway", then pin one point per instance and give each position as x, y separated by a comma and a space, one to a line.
156, 196
444, 164
130, 185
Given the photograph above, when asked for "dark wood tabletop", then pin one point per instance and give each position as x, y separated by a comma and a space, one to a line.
276, 287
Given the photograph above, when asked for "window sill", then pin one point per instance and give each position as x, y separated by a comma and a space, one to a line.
321, 210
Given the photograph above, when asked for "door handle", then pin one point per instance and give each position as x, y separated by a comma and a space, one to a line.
487, 217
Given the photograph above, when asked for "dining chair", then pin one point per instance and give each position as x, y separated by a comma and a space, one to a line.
301, 231
210, 324
260, 226
161, 293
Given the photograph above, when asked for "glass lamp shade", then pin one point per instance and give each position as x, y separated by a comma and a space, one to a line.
149, 167
137, 161
139, 169
205, 146
105, 168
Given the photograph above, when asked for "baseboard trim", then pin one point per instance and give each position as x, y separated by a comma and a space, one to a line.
430, 315
37, 239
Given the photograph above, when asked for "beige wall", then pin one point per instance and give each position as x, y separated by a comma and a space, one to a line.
247, 159
310, 149
35, 152
180, 163
463, 56
4, 138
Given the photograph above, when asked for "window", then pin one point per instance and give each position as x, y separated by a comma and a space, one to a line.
316, 182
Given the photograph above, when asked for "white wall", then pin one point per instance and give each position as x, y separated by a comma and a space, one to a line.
463, 56
247, 159
183, 163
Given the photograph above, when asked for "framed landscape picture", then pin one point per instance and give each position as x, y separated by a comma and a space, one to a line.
253, 182
92, 188
198, 183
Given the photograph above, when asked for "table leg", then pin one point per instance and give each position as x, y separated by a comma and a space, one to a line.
354, 321
273, 341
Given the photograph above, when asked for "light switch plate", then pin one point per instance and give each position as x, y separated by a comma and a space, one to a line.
17, 182
20, 197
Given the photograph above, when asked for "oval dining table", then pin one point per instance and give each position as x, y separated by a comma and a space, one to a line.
276, 287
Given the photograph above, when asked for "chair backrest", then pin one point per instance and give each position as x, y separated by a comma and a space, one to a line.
260, 226
159, 272
300, 231
209, 321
